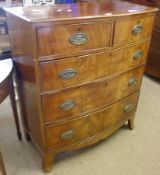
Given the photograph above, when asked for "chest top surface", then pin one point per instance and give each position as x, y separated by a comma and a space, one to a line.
83, 10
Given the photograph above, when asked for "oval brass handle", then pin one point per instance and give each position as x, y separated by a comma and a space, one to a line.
78, 38
138, 55
132, 81
68, 134
68, 73
128, 108
137, 29
69, 104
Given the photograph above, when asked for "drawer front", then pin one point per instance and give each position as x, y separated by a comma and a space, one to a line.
62, 135
124, 59
133, 29
72, 102
77, 70
69, 72
66, 39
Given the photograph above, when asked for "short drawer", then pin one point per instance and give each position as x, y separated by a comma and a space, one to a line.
78, 70
72, 102
131, 30
75, 131
67, 39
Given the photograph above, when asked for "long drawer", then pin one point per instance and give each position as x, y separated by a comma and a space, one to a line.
132, 30
78, 70
65, 134
72, 102
66, 39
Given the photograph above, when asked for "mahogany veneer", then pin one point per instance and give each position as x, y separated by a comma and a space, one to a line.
153, 62
79, 70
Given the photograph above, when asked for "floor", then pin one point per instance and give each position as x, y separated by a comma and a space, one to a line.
126, 152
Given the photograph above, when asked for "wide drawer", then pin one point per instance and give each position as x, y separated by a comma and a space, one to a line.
62, 135
75, 101
131, 30
67, 39
78, 70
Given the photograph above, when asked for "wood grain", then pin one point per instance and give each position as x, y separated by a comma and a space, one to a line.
105, 76
98, 94
23, 52
54, 39
79, 11
90, 67
127, 26
89, 125
153, 63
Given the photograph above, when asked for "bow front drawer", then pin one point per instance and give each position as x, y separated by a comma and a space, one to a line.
72, 71
72, 102
62, 135
133, 29
83, 69
67, 39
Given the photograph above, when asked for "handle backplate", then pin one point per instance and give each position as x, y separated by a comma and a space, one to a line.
68, 134
68, 73
132, 81
138, 55
128, 108
78, 38
69, 104
137, 29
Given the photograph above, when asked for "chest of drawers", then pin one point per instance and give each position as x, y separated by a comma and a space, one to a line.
79, 70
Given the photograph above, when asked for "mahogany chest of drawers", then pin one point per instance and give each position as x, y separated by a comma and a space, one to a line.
79, 70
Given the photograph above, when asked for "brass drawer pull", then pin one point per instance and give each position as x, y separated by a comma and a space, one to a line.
68, 73
132, 81
128, 108
69, 104
78, 38
137, 29
68, 134
138, 55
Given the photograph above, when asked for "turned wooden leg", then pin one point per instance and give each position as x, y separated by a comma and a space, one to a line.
131, 123
14, 108
47, 162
